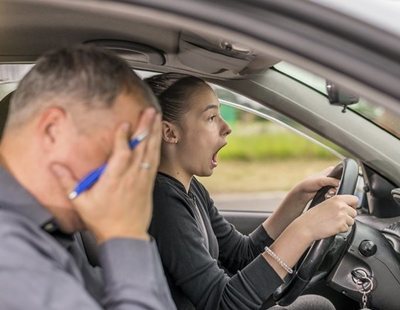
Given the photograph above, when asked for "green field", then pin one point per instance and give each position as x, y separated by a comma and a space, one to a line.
262, 176
271, 146
262, 156
260, 140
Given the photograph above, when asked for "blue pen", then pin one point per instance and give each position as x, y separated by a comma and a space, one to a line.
94, 175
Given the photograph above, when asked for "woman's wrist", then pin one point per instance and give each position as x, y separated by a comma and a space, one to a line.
302, 230
290, 209
288, 248
281, 218
278, 260
298, 197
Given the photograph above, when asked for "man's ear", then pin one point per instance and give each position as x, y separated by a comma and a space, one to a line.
51, 126
170, 132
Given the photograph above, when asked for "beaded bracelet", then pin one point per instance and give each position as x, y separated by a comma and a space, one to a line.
278, 260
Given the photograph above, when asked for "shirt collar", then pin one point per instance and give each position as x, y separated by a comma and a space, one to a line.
16, 198
177, 182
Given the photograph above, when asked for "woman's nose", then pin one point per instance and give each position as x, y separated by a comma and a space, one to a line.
226, 129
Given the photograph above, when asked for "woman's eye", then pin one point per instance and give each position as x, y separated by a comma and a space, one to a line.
212, 118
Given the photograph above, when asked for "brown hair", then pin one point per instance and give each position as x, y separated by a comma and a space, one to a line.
172, 91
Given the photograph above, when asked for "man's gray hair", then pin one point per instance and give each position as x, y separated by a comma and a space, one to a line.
82, 74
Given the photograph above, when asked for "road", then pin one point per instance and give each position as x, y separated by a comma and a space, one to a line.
265, 201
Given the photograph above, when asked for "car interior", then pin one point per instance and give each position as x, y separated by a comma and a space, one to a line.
371, 158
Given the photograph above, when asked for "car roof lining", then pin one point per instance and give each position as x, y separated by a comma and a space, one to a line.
25, 27
88, 21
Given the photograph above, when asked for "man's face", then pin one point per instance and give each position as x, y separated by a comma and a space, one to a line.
86, 143
93, 135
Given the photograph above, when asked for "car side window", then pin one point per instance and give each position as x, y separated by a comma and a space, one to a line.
267, 153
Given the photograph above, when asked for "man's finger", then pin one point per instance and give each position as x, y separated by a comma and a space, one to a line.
121, 154
64, 177
152, 152
146, 123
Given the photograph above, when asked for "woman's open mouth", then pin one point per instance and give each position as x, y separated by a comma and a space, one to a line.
214, 159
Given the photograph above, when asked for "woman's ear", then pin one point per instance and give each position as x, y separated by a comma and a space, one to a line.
169, 132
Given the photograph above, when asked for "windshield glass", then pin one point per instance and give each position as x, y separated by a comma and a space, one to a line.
373, 112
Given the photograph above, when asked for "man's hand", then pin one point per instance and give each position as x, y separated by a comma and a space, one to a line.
120, 203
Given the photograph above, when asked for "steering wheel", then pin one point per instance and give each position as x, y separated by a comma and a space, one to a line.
347, 172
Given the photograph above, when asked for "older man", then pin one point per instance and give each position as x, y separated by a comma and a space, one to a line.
74, 111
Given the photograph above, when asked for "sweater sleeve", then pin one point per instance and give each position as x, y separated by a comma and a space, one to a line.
191, 267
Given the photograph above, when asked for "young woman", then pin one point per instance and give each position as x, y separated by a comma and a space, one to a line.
208, 264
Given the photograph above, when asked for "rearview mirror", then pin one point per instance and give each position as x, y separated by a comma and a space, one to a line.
339, 96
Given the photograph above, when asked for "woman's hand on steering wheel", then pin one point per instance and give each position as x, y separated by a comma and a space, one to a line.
296, 200
321, 224
330, 217
305, 190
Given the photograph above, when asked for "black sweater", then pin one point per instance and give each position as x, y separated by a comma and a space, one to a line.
208, 264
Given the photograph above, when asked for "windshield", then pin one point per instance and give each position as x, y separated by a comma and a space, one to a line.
375, 113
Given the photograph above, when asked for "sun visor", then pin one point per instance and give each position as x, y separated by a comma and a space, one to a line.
213, 56
219, 56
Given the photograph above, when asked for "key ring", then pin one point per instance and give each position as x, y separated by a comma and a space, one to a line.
366, 286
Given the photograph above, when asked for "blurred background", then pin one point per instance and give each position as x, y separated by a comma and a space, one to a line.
267, 153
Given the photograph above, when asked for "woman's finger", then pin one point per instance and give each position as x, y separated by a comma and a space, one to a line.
327, 170
349, 221
328, 181
350, 200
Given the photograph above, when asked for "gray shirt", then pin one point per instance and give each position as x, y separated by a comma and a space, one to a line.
42, 268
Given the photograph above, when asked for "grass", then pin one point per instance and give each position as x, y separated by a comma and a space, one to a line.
263, 156
275, 145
